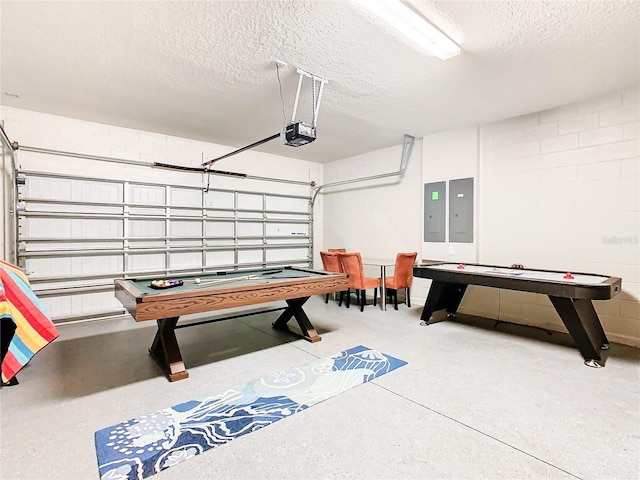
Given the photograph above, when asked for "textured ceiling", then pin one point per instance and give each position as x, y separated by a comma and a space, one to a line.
206, 70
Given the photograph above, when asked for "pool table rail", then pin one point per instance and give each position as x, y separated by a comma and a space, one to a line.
181, 301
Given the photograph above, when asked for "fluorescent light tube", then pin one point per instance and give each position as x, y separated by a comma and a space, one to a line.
413, 26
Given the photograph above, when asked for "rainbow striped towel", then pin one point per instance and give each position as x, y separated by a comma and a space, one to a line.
34, 329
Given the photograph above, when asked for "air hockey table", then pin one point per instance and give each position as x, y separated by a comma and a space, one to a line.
570, 293
166, 300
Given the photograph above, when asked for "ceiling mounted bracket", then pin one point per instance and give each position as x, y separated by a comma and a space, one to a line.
315, 79
297, 134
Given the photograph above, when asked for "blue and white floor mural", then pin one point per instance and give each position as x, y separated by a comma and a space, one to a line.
143, 446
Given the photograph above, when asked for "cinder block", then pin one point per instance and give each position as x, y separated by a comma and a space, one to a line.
624, 114
607, 307
597, 171
483, 300
631, 130
504, 138
544, 130
524, 149
600, 136
630, 309
517, 296
626, 191
578, 156
630, 167
621, 329
543, 161
540, 315
578, 124
511, 311
619, 150
559, 143
553, 176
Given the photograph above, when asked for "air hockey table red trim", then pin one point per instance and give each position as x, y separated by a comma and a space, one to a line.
572, 298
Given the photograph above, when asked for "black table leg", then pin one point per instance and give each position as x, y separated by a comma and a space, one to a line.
584, 326
442, 295
166, 352
294, 309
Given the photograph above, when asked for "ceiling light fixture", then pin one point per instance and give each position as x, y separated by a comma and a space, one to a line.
414, 26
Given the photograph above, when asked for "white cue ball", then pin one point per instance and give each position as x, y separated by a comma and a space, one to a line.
196, 281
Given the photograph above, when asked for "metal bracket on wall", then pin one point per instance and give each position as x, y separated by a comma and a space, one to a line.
407, 147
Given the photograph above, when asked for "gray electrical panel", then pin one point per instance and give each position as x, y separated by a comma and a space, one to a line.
435, 203
461, 210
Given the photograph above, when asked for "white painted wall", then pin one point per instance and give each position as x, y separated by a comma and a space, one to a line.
448, 156
375, 217
560, 190
555, 190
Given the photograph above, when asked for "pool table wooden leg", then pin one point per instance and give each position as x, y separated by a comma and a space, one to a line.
582, 322
442, 295
166, 352
294, 309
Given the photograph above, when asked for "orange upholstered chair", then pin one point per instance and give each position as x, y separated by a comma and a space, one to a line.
352, 266
402, 277
341, 250
331, 263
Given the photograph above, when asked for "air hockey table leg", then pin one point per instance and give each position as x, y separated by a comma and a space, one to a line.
584, 326
442, 295
593, 363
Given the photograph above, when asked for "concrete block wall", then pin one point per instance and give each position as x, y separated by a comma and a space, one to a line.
560, 190
375, 217
557, 189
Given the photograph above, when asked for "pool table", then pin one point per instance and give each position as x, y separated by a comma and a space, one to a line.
218, 291
570, 293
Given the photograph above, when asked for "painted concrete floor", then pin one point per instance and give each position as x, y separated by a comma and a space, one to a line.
473, 402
